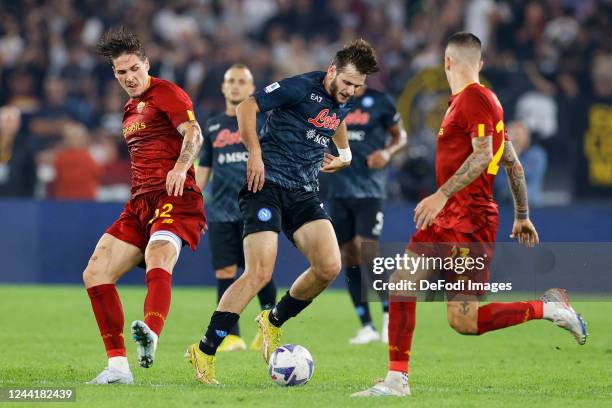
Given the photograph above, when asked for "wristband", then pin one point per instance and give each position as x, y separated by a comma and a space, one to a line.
345, 155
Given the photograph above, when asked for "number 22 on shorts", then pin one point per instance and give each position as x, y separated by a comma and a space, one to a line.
167, 208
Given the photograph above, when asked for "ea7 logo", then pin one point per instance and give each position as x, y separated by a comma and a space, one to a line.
316, 98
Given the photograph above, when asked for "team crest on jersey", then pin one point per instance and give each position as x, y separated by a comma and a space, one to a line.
367, 102
140, 107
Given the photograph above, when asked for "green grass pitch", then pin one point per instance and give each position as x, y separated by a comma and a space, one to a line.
49, 338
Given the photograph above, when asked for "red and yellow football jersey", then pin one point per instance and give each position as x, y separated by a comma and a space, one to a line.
149, 128
475, 111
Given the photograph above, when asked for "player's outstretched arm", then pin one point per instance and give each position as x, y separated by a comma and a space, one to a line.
482, 152
331, 163
522, 229
192, 141
380, 158
246, 113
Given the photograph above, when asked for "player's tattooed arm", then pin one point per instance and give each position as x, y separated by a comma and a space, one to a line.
192, 142
516, 181
523, 228
472, 167
427, 210
331, 163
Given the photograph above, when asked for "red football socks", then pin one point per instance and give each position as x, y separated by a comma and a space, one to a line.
157, 302
109, 315
499, 315
402, 320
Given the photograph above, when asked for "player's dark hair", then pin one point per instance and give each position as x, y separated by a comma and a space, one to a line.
118, 41
465, 39
359, 53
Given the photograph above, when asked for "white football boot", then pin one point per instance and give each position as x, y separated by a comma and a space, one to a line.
558, 310
113, 376
146, 343
365, 335
385, 389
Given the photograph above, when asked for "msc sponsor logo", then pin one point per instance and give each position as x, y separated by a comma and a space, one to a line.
312, 134
133, 128
226, 137
357, 117
233, 157
356, 135
324, 120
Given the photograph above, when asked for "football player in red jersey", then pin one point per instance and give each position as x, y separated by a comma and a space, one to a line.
164, 212
472, 143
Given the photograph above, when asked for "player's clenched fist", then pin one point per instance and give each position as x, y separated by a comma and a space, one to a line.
175, 180
256, 175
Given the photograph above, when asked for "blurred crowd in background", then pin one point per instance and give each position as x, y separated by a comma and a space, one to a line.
550, 63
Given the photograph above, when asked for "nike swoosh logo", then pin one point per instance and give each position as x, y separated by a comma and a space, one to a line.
113, 381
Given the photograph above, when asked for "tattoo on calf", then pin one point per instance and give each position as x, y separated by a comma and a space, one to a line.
465, 307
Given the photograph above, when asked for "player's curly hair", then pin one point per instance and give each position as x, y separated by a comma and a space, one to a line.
359, 53
118, 41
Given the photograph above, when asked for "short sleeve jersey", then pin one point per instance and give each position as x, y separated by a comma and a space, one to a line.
154, 143
302, 118
473, 112
225, 153
368, 122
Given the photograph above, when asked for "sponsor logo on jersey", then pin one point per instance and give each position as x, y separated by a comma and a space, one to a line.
133, 128
357, 117
226, 137
312, 134
324, 120
264, 214
233, 157
271, 87
356, 135
316, 98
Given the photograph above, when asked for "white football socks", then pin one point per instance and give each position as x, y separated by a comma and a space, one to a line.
119, 363
397, 377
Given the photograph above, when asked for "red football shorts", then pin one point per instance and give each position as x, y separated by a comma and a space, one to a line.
157, 211
439, 242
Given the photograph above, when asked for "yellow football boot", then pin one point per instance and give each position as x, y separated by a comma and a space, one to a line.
270, 334
232, 343
203, 364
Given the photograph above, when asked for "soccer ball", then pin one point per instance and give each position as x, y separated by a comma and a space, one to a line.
291, 365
